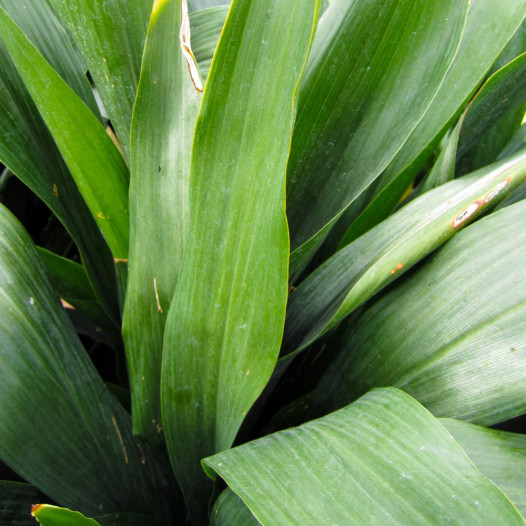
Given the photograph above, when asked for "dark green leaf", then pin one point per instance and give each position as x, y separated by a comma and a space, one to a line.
15, 503
85, 457
493, 117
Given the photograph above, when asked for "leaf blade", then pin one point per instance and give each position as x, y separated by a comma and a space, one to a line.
216, 324
381, 460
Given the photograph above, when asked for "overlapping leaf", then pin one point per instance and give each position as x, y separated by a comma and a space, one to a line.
375, 67
51, 390
499, 455
451, 334
362, 268
225, 324
40, 24
162, 132
93, 160
28, 149
382, 460
481, 44
493, 117
110, 35
206, 27
230, 510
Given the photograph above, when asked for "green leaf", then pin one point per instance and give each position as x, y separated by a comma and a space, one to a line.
161, 144
374, 69
493, 117
40, 24
72, 285
226, 320
362, 268
94, 162
481, 44
48, 515
206, 27
15, 503
195, 5
230, 510
110, 35
499, 455
443, 169
451, 334
85, 457
28, 149
382, 460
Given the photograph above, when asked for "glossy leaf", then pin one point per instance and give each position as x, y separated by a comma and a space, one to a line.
110, 35
499, 455
161, 143
94, 162
48, 515
226, 320
28, 149
40, 24
481, 44
374, 69
15, 503
206, 26
230, 510
382, 460
85, 457
451, 334
362, 268
493, 117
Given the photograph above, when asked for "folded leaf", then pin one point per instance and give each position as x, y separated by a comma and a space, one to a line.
382, 460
